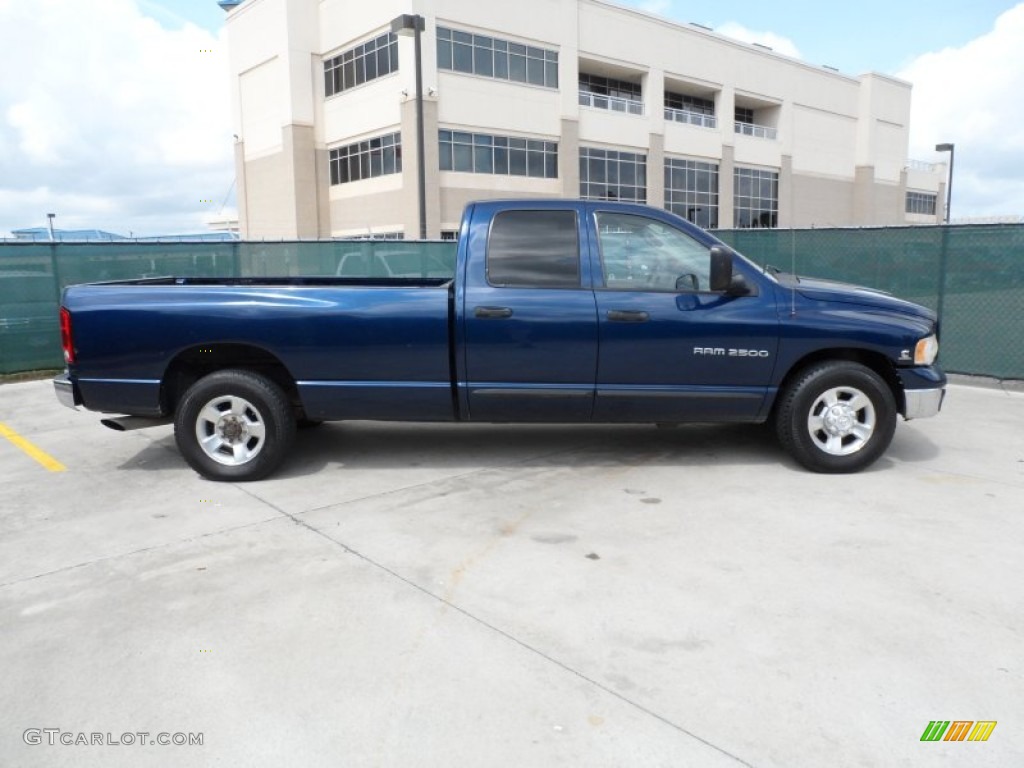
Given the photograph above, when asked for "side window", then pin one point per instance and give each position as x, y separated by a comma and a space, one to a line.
534, 249
642, 254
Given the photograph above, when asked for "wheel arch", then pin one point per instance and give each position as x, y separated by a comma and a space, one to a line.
876, 361
200, 360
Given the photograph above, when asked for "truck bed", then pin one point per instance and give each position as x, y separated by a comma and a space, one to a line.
372, 348
369, 282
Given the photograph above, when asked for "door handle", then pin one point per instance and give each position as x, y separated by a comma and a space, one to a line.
492, 313
628, 316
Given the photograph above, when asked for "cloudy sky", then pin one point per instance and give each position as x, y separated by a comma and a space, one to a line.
114, 113
965, 60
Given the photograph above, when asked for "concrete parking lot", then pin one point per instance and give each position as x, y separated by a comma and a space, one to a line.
443, 595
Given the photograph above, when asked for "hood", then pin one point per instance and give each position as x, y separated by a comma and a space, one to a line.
847, 293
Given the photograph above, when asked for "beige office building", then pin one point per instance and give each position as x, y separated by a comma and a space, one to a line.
551, 98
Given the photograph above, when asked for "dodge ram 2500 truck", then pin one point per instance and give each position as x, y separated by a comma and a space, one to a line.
559, 311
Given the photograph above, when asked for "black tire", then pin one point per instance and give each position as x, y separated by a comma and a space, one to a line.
836, 417
246, 419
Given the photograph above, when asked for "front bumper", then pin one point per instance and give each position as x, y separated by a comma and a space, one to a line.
66, 391
922, 403
924, 389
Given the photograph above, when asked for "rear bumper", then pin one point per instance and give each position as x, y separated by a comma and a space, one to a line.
66, 391
922, 403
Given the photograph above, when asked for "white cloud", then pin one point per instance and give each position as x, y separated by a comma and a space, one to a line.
38, 130
777, 43
110, 120
971, 96
657, 7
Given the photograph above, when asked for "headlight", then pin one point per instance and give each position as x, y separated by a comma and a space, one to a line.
926, 351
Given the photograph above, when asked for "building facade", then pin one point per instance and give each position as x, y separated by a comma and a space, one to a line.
551, 98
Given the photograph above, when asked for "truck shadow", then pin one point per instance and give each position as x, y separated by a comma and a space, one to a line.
366, 445
395, 446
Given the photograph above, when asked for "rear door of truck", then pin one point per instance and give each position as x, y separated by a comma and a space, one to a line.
528, 330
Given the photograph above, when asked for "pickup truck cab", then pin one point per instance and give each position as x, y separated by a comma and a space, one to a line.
559, 311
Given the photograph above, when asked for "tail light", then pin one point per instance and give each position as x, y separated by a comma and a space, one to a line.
66, 340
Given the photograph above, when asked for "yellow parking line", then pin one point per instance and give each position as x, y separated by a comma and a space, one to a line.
39, 455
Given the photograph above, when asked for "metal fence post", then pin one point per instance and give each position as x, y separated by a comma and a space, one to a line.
943, 269
55, 269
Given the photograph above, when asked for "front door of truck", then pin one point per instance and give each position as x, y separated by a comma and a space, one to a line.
670, 348
529, 320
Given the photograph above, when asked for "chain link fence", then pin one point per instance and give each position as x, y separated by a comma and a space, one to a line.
32, 276
972, 274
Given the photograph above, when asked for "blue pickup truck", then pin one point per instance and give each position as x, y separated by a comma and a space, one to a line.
559, 311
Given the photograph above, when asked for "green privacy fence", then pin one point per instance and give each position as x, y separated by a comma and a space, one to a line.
974, 275
33, 274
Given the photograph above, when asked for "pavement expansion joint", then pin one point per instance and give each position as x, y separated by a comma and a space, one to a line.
428, 483
140, 551
502, 632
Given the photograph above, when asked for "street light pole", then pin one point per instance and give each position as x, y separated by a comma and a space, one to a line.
944, 253
949, 181
50, 217
414, 24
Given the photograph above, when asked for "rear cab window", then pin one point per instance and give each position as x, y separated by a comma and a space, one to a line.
534, 249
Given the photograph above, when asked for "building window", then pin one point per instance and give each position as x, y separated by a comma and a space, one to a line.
501, 155
372, 236
608, 93
691, 191
493, 57
921, 202
744, 115
374, 58
745, 125
449, 235
367, 159
607, 174
756, 198
689, 109
689, 103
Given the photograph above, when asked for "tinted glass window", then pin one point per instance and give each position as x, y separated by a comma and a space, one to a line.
642, 254
489, 57
366, 62
534, 249
366, 159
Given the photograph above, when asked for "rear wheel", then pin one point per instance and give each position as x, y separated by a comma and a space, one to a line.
836, 417
234, 425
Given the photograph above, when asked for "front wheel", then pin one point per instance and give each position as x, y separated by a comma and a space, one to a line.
836, 417
234, 425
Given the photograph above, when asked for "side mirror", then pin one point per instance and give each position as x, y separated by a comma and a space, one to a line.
721, 268
740, 287
687, 282
722, 278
